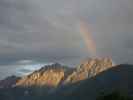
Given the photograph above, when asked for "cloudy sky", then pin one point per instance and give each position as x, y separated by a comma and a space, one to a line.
37, 32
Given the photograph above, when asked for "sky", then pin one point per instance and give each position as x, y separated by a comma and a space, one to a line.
38, 32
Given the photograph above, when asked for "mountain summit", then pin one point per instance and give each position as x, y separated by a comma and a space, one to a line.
89, 68
56, 74
50, 75
93, 77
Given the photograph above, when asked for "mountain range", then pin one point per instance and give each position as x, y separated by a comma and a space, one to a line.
84, 82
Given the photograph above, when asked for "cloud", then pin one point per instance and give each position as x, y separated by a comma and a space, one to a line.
47, 30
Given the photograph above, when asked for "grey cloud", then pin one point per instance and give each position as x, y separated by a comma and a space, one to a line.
47, 30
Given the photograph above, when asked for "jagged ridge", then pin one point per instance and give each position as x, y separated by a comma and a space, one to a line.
56, 74
89, 68
50, 75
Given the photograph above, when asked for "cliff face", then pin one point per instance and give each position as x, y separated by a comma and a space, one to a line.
50, 76
93, 77
118, 78
56, 74
89, 68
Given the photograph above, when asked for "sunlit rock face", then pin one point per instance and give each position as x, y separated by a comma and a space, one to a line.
89, 68
50, 76
56, 74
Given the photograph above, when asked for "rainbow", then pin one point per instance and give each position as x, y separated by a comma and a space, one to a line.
86, 33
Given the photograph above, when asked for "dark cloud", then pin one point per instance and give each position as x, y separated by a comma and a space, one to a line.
47, 30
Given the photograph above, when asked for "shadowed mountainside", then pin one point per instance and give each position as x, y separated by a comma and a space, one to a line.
118, 77
9, 82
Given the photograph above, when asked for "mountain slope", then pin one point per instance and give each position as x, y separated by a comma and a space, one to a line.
89, 68
9, 82
50, 75
56, 74
117, 78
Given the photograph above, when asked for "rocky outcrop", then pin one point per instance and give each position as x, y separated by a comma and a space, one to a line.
118, 78
89, 68
98, 77
55, 74
51, 76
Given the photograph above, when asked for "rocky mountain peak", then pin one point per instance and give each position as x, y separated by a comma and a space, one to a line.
49, 75
55, 74
95, 66
89, 68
